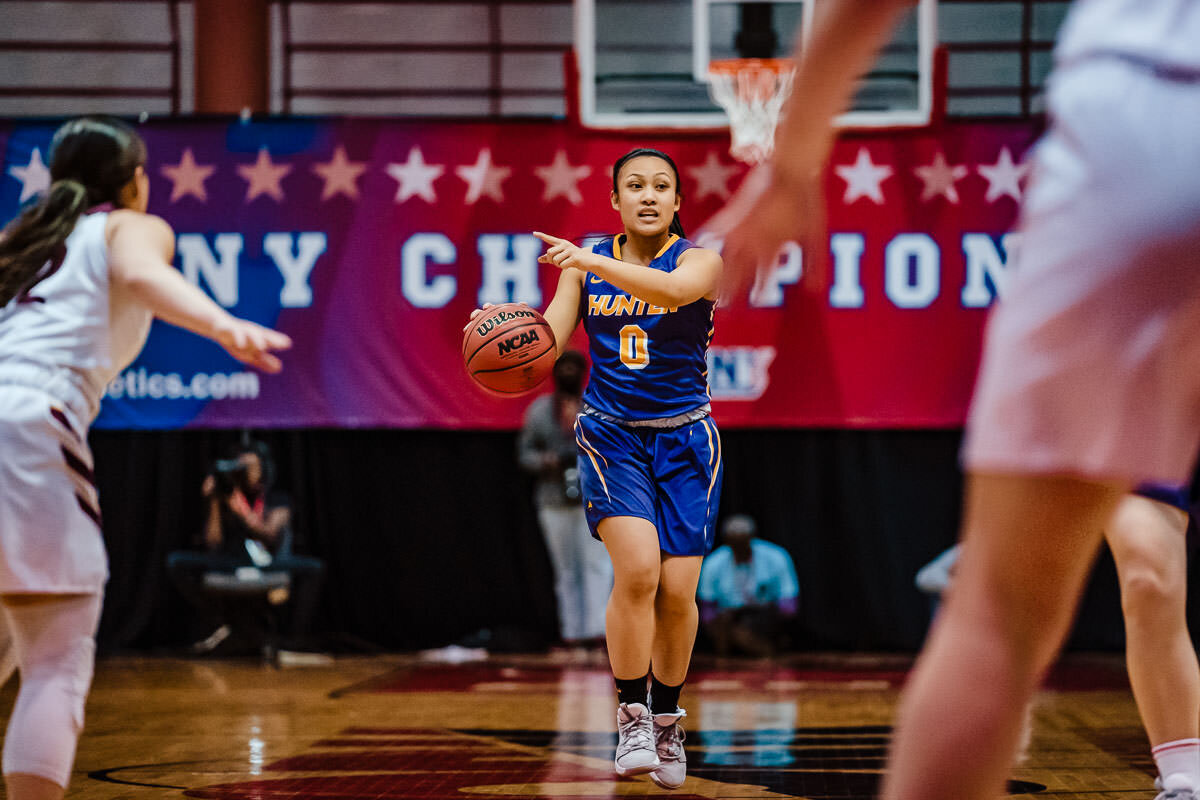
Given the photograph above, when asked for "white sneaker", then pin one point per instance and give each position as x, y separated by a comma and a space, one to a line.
636, 753
1174, 787
214, 639
668, 739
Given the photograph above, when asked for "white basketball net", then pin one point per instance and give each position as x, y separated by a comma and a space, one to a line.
752, 92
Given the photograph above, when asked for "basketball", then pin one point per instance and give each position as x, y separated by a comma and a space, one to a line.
509, 349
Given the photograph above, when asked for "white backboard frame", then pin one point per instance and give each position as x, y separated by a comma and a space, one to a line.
585, 49
701, 55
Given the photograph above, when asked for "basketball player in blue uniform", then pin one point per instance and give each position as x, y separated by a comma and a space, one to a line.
649, 455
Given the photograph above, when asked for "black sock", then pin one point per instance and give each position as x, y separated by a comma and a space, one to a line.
663, 699
631, 690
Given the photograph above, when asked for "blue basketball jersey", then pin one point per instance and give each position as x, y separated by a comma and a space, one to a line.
648, 362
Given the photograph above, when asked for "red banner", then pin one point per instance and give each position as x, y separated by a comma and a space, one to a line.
370, 241
918, 250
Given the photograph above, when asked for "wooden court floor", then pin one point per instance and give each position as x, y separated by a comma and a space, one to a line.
542, 726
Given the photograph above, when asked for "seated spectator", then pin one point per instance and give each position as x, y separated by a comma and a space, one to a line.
246, 530
748, 592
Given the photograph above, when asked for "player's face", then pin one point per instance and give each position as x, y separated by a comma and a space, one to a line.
646, 195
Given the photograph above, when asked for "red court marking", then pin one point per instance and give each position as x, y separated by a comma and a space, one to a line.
1074, 676
509, 680
461, 758
357, 731
374, 787
501, 679
419, 775
436, 773
406, 741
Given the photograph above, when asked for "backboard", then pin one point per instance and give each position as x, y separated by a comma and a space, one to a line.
644, 63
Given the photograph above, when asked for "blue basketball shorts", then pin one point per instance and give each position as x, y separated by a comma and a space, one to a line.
669, 476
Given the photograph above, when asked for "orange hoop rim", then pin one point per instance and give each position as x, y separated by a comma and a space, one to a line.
732, 66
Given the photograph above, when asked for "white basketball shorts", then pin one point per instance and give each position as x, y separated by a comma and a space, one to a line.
1091, 364
50, 540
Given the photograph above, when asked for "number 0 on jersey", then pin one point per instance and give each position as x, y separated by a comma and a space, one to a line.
635, 347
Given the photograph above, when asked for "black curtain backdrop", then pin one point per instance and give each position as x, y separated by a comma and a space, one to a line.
430, 536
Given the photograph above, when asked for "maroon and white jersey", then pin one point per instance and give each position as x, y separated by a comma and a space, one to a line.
61, 342
1089, 366
75, 320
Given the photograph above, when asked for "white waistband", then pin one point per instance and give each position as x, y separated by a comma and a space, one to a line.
64, 385
676, 421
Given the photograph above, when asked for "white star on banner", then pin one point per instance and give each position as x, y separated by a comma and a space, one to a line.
264, 177
1004, 177
340, 174
864, 178
483, 177
188, 177
415, 177
712, 177
34, 176
939, 178
562, 179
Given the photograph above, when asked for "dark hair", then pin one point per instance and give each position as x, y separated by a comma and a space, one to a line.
570, 360
91, 159
258, 448
676, 226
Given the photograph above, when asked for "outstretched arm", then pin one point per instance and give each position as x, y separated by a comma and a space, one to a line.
694, 277
846, 39
782, 200
140, 248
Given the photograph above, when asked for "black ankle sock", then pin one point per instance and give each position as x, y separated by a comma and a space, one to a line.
663, 699
631, 690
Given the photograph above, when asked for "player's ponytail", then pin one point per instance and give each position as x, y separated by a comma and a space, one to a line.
91, 160
676, 226
28, 244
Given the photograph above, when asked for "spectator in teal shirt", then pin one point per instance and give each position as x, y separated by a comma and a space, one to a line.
748, 592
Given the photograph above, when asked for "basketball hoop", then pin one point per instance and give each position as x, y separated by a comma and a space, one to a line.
752, 91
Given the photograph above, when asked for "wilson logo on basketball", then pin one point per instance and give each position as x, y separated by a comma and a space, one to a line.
516, 342
499, 318
510, 350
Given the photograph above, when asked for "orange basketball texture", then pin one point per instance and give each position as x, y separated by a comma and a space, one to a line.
509, 349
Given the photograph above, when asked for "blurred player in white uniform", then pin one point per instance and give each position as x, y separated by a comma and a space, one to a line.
82, 272
1090, 381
